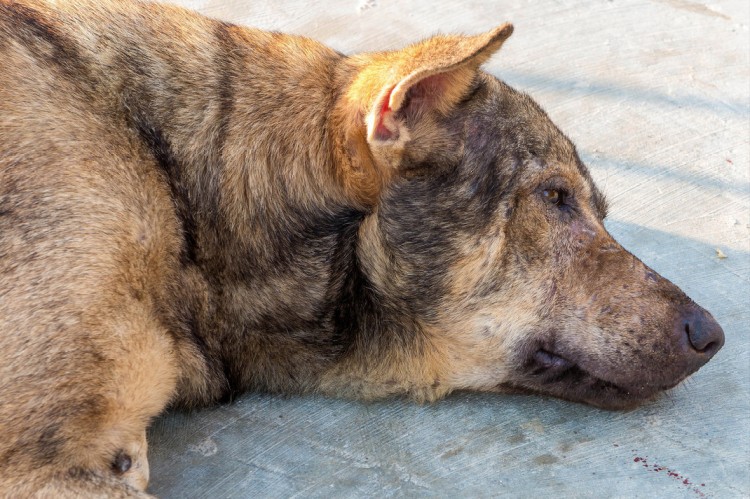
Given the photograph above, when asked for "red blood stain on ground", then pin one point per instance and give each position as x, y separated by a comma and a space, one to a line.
671, 474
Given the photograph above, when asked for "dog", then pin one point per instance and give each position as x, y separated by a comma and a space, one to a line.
190, 209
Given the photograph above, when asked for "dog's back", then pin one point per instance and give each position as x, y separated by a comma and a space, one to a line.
99, 225
89, 238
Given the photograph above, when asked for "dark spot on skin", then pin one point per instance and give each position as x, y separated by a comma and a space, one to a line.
121, 463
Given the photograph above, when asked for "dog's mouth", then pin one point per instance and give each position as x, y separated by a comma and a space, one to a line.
553, 368
553, 373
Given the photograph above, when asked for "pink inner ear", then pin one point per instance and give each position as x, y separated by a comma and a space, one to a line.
425, 93
381, 131
420, 97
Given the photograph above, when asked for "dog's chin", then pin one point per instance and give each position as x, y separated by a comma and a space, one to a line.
548, 373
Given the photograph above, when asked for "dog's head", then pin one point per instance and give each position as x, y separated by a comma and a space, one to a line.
487, 231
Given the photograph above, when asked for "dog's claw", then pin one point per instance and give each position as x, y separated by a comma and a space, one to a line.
122, 463
130, 464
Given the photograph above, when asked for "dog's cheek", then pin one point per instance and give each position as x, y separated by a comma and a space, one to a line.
477, 272
479, 340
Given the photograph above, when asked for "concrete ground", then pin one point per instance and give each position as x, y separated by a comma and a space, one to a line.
656, 95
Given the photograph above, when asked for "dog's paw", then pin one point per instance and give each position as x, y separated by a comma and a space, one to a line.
130, 464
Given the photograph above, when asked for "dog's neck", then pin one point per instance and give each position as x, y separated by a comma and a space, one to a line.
271, 236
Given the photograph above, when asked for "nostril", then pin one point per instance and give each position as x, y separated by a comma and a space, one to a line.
704, 333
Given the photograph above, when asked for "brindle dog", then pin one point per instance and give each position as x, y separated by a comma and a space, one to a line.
191, 209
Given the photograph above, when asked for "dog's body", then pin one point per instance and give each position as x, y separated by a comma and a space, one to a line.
190, 209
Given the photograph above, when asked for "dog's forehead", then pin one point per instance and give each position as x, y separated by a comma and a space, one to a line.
520, 119
508, 124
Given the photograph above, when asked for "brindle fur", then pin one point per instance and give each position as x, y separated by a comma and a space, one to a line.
191, 209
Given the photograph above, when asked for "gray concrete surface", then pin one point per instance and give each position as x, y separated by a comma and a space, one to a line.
657, 96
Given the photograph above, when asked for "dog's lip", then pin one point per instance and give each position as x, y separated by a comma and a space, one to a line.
551, 360
551, 366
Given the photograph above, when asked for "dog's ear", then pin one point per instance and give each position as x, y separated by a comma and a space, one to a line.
393, 90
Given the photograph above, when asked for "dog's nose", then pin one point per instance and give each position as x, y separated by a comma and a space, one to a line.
704, 334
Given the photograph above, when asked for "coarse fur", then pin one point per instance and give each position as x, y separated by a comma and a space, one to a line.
191, 209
